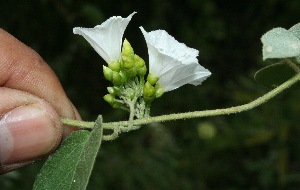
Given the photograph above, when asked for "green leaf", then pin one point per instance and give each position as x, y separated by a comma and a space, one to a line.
297, 59
71, 165
281, 43
295, 30
274, 75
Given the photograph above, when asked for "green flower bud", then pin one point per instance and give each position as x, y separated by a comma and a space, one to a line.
124, 77
127, 49
142, 71
117, 90
130, 73
127, 62
111, 90
149, 99
139, 62
152, 79
159, 91
115, 66
148, 90
109, 98
108, 73
127, 57
116, 78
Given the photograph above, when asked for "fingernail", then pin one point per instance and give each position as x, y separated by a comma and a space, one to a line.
27, 132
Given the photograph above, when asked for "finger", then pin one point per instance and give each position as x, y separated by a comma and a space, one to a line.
23, 69
7, 168
29, 129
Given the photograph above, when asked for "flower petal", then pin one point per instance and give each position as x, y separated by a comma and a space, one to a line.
174, 63
186, 74
168, 45
106, 38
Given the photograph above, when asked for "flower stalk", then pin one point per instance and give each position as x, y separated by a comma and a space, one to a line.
188, 115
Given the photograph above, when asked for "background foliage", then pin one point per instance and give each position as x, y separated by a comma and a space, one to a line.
258, 149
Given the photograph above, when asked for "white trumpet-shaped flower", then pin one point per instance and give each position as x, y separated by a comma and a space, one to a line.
172, 62
106, 38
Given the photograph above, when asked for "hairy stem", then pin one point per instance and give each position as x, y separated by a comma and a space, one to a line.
195, 114
77, 123
132, 111
294, 66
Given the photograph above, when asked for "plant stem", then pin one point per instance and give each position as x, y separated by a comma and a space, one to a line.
77, 123
132, 110
294, 66
195, 114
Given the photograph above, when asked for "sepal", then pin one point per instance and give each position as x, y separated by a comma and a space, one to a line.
159, 91
115, 66
152, 79
116, 78
109, 98
108, 73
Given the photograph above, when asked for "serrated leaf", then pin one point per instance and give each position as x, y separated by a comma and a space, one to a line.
71, 165
274, 75
280, 43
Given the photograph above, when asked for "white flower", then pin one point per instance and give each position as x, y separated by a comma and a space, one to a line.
106, 38
172, 62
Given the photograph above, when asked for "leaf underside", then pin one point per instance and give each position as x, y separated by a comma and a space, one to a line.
274, 75
71, 165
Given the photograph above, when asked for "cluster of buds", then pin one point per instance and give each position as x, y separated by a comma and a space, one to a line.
111, 97
152, 89
127, 75
128, 67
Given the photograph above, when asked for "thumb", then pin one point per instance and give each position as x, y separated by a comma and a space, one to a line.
29, 128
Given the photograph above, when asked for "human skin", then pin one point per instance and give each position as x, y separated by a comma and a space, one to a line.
32, 101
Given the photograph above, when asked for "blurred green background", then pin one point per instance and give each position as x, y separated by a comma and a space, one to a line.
258, 149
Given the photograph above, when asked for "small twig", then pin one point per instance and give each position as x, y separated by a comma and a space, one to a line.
112, 136
291, 64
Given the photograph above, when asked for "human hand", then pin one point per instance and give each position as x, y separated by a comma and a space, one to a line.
32, 101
